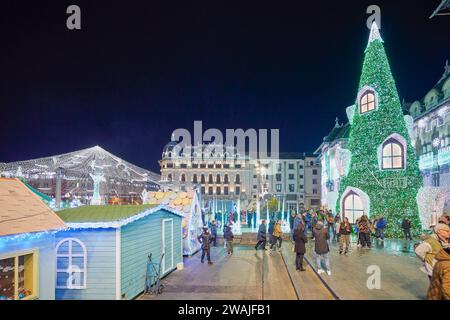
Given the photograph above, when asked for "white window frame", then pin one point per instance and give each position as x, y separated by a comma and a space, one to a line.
365, 90
69, 268
400, 140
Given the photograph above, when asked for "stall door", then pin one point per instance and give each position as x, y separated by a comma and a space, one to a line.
167, 245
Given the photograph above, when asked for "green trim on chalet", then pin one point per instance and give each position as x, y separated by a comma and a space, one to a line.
43, 196
101, 213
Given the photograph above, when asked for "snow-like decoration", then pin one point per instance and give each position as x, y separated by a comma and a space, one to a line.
431, 202
410, 126
343, 160
374, 34
350, 113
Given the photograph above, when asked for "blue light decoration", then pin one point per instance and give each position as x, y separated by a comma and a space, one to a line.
426, 161
25, 237
444, 156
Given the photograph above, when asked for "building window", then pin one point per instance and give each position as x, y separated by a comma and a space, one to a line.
194, 178
218, 166
291, 188
279, 167
278, 177
226, 166
353, 207
315, 191
301, 186
238, 166
301, 176
291, 166
315, 202
225, 191
169, 177
19, 276
218, 178
183, 178
278, 187
71, 264
291, 177
195, 165
238, 191
202, 166
393, 155
210, 166
225, 179
314, 181
203, 190
218, 191
301, 166
367, 102
210, 191
210, 179
238, 179
202, 180
255, 186
183, 166
315, 172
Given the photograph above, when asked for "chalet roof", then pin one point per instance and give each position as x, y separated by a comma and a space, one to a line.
22, 211
97, 216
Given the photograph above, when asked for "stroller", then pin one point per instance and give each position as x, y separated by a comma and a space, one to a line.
153, 283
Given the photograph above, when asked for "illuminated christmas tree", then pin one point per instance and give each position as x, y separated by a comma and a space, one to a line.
383, 173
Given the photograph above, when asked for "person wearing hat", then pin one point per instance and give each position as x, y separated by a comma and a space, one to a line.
205, 239
430, 247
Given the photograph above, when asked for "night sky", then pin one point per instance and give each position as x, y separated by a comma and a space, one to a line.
138, 70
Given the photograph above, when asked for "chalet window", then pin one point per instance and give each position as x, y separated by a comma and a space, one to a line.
71, 264
367, 102
393, 155
19, 276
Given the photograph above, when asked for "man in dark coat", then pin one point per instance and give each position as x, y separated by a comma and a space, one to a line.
228, 236
300, 248
205, 239
322, 248
214, 233
262, 236
291, 221
406, 226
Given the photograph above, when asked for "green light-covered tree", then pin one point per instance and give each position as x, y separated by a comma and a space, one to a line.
391, 192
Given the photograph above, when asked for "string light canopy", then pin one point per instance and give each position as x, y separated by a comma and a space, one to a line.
82, 173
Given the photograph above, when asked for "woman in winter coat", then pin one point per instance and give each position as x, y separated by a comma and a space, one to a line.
440, 282
345, 229
364, 232
300, 248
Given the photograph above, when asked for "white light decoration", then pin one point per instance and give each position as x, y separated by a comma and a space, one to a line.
374, 34
422, 123
436, 142
431, 201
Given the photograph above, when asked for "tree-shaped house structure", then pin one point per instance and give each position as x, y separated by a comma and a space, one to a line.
383, 175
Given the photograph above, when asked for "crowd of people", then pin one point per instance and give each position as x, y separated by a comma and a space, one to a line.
325, 227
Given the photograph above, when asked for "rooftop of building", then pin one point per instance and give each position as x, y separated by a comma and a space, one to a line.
105, 213
22, 211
